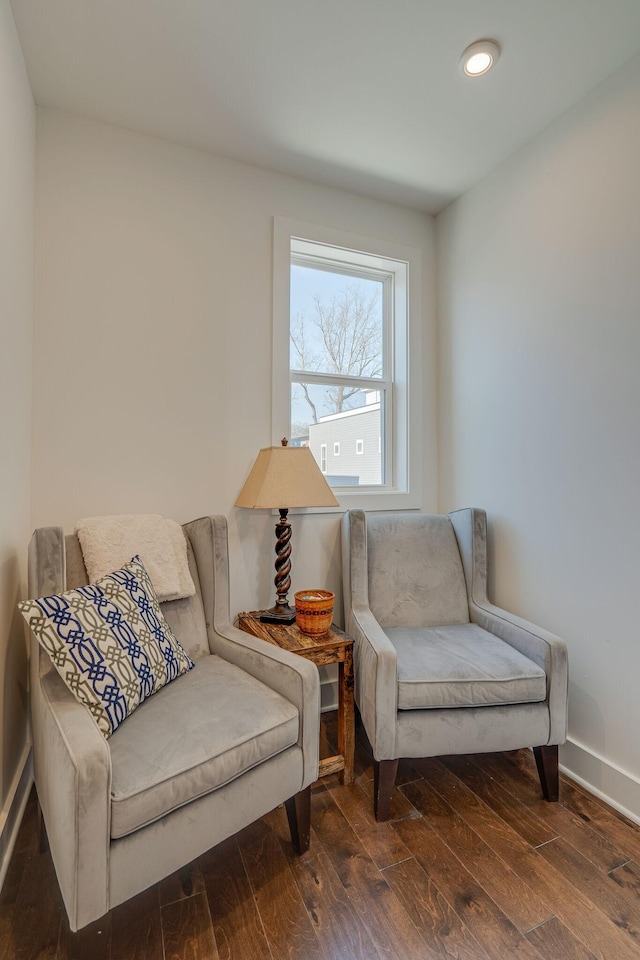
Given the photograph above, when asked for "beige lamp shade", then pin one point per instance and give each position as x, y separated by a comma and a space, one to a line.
285, 477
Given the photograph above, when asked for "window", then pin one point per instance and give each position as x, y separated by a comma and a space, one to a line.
341, 315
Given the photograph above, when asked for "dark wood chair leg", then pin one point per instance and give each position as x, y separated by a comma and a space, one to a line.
384, 779
299, 816
547, 764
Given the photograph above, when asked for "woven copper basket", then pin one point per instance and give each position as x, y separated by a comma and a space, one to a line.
314, 611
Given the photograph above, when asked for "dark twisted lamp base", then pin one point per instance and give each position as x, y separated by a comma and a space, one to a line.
281, 612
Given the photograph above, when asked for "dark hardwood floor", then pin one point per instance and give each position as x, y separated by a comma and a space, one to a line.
472, 865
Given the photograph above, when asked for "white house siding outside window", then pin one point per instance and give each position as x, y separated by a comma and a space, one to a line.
359, 460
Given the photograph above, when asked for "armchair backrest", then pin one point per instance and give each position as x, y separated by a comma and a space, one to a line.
415, 574
56, 564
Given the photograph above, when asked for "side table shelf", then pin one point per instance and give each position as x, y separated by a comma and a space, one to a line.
334, 647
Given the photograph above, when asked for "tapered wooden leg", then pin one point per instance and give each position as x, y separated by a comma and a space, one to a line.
547, 763
299, 816
384, 779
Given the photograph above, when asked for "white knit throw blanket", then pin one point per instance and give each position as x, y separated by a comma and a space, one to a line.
109, 542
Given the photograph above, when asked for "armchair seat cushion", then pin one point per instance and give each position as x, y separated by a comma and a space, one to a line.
461, 665
191, 738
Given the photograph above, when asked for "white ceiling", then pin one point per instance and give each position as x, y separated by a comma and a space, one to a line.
361, 94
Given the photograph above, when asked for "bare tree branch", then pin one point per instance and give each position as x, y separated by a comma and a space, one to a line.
348, 343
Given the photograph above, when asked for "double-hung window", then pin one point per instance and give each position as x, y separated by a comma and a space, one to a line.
341, 317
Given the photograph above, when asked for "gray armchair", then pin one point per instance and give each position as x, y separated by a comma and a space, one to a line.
438, 669
208, 754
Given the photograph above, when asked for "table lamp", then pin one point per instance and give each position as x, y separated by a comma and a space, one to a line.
284, 475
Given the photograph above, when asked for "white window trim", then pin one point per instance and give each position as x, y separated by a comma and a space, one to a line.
405, 492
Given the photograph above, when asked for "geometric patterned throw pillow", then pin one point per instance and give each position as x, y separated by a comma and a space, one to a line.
109, 642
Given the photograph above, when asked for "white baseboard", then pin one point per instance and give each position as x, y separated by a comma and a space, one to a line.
604, 779
13, 809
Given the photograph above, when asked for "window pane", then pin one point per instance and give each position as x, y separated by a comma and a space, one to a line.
356, 432
336, 323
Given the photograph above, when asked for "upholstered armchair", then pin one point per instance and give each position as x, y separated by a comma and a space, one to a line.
438, 668
206, 755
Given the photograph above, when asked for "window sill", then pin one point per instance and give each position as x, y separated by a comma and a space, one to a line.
370, 500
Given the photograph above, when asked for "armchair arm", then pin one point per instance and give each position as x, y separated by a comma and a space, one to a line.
291, 676
376, 681
375, 658
544, 648
71, 758
73, 780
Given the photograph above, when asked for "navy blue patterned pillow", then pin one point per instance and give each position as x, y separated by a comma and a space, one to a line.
110, 642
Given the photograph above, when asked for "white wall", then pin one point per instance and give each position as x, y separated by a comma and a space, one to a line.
16, 322
539, 288
152, 365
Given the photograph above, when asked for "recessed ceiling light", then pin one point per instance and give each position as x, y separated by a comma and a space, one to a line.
479, 57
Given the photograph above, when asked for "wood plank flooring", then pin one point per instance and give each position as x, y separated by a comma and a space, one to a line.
472, 865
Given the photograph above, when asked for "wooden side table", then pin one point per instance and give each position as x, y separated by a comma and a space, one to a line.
334, 647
